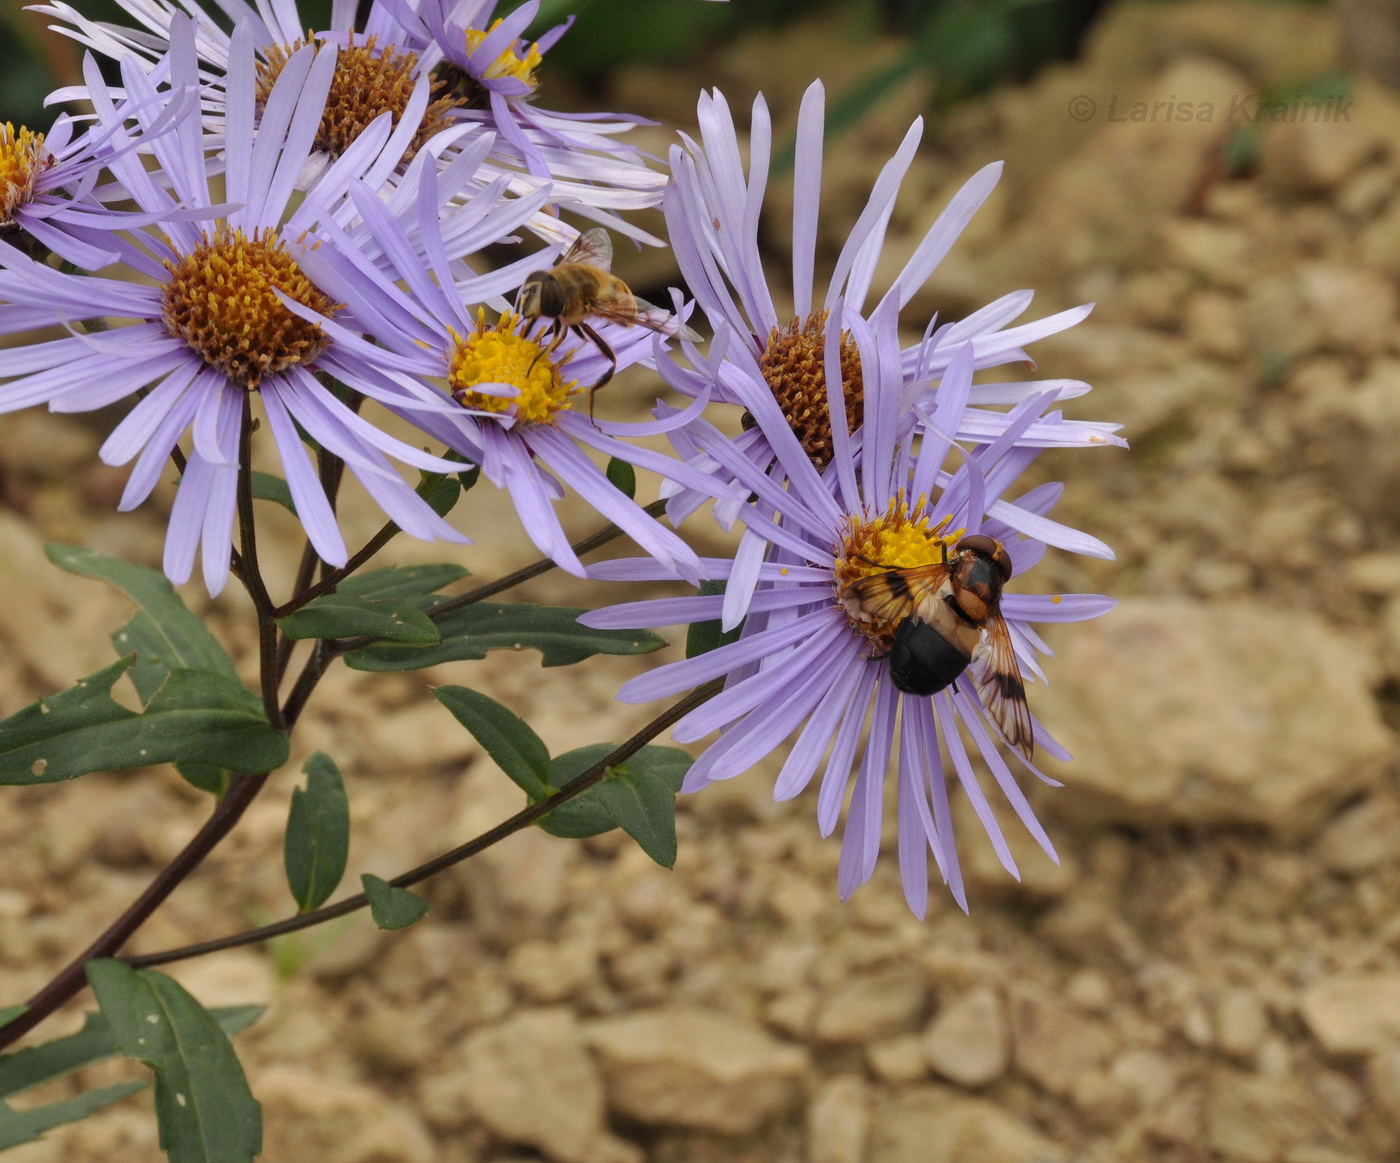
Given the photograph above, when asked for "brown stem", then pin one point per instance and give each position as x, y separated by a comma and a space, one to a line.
71, 979
522, 819
252, 575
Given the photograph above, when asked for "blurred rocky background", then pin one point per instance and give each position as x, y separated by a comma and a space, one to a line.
1212, 972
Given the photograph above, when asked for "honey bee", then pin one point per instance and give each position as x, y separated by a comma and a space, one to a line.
942, 612
582, 286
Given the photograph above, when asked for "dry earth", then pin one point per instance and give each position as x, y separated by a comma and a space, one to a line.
1211, 973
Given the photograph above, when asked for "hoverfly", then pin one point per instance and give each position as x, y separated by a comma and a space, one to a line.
941, 612
582, 286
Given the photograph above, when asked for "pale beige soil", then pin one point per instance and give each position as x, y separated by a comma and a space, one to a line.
1210, 974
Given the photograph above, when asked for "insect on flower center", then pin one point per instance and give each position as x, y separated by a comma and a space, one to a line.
221, 299
368, 81
516, 61
895, 539
793, 363
500, 355
22, 160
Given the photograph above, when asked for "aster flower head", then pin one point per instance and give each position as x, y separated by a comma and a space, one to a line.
810, 662
447, 67
212, 327
713, 210
497, 393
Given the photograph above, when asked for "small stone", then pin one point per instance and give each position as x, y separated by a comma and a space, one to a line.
309, 1117
1148, 1074
234, 977
1214, 713
1383, 1082
1353, 1013
552, 971
1377, 574
838, 1121
530, 1080
1213, 326
1252, 1119
898, 1059
1354, 310
695, 1068
793, 1012
391, 1039
1241, 1022
932, 1125
967, 1041
1363, 837
874, 1004
1052, 1043
1307, 157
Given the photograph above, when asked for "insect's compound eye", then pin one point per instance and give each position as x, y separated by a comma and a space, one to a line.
990, 547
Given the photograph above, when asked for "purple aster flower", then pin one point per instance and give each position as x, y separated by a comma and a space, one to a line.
196, 353
48, 190
811, 661
505, 401
712, 213
437, 64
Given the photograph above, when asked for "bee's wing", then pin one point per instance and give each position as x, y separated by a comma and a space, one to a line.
632, 311
895, 594
591, 248
1003, 692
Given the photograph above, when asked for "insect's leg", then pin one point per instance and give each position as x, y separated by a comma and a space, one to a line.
583, 329
558, 332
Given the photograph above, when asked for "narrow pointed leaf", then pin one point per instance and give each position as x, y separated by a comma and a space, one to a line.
35, 1065
206, 776
317, 842
204, 1109
392, 908
644, 806
267, 487
195, 717
623, 477
416, 583
507, 738
588, 814
18, 1127
342, 615
9, 1013
472, 631
165, 635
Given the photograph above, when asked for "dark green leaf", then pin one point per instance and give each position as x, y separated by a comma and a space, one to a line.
18, 1127
441, 492
702, 637
35, 1065
9, 1013
392, 908
205, 776
587, 814
204, 1109
644, 807
195, 717
416, 583
623, 476
469, 477
468, 633
317, 843
165, 635
267, 487
508, 739
583, 815
343, 615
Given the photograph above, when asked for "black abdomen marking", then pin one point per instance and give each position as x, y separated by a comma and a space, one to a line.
922, 661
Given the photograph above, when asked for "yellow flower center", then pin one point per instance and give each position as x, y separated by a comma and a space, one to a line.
221, 299
22, 160
499, 355
516, 61
793, 363
896, 539
368, 81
